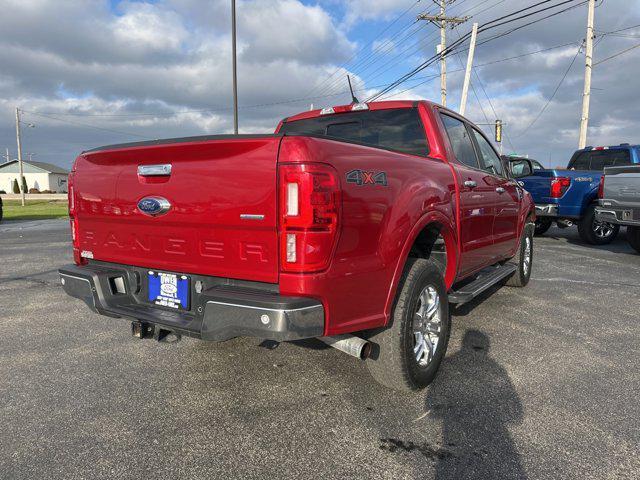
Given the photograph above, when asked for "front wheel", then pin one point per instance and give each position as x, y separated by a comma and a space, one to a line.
633, 237
523, 259
409, 351
594, 231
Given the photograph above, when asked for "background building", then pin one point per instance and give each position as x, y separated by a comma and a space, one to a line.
40, 175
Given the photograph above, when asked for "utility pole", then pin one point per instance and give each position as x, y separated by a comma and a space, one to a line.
235, 67
586, 95
6, 156
20, 154
467, 74
442, 21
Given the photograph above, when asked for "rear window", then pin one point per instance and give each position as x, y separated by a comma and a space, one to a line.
397, 129
598, 159
536, 165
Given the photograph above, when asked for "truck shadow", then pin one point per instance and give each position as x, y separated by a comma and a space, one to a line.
476, 402
570, 236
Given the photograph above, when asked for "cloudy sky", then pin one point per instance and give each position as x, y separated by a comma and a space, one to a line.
94, 72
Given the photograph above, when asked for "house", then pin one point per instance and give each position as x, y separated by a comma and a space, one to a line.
40, 175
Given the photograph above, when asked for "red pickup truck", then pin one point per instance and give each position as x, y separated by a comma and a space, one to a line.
356, 224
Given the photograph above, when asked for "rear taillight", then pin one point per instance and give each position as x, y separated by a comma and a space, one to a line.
70, 195
601, 187
309, 199
559, 186
75, 233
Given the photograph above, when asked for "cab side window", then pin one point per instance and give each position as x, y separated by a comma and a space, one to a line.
460, 141
489, 159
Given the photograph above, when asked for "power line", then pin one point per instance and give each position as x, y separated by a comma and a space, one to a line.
564, 76
395, 60
617, 54
428, 78
496, 116
362, 65
364, 46
422, 80
519, 27
475, 94
85, 124
402, 55
486, 26
441, 20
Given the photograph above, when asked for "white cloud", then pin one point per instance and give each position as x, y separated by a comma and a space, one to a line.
172, 58
152, 29
358, 10
287, 29
159, 58
384, 45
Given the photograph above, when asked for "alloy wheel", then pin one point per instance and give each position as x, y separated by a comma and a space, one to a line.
427, 326
602, 230
526, 258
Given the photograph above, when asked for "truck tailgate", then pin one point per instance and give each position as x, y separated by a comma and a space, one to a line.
622, 186
222, 217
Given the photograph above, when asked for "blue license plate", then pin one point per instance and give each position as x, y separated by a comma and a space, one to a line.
168, 290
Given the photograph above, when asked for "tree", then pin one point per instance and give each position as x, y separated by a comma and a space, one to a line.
24, 185
16, 189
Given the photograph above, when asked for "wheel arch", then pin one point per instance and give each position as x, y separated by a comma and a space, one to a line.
423, 237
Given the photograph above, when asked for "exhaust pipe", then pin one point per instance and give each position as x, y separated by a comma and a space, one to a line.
564, 223
354, 346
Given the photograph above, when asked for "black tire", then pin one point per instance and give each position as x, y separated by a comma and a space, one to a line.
542, 225
523, 259
633, 237
595, 232
394, 362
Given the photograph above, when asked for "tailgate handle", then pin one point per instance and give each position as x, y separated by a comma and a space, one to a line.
154, 170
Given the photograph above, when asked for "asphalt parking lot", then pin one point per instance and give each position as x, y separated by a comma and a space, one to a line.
541, 382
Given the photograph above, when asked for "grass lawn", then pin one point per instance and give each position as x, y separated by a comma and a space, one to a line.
34, 209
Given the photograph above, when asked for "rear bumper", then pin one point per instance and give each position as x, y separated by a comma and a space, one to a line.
219, 312
546, 210
618, 215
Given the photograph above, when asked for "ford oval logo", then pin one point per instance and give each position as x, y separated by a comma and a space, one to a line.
154, 206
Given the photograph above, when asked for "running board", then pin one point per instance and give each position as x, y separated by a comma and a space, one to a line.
486, 278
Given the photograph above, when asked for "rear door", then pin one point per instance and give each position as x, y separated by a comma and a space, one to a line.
477, 198
506, 194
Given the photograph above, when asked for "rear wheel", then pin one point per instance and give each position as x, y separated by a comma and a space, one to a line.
409, 351
523, 259
633, 237
542, 225
594, 231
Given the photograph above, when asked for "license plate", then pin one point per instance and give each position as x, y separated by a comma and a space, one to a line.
168, 290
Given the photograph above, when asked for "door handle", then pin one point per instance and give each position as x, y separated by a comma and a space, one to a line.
500, 190
470, 184
163, 170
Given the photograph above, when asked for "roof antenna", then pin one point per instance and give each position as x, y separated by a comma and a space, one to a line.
353, 97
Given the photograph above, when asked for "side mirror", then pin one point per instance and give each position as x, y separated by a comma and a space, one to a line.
520, 168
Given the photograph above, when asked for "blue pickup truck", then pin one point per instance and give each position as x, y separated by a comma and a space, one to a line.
569, 196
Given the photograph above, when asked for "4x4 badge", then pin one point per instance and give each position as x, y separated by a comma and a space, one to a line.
365, 177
